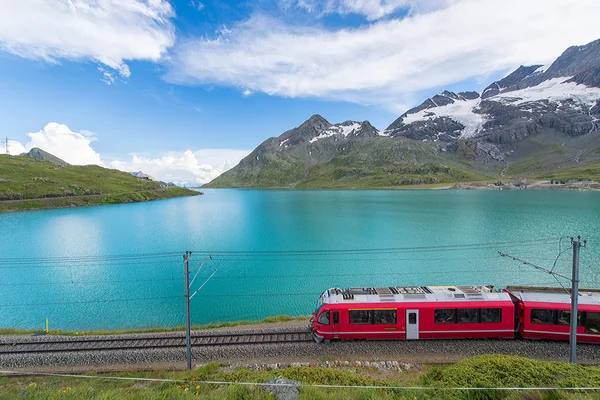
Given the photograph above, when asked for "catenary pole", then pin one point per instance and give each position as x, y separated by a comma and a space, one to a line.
576, 244
574, 300
188, 344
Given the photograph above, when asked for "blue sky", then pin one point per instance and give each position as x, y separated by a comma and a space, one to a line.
183, 89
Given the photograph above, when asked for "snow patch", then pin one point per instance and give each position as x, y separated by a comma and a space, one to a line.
554, 90
461, 111
344, 130
542, 69
283, 142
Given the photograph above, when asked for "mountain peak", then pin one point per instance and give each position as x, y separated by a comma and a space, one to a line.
317, 119
42, 155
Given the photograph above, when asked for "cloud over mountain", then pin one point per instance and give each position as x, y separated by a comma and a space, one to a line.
59, 140
381, 62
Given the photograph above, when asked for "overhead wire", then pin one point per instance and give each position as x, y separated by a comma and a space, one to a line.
278, 252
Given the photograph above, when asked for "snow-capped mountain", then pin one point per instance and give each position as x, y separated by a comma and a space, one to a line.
317, 128
563, 96
536, 120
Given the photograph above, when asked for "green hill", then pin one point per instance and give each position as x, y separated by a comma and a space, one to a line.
28, 183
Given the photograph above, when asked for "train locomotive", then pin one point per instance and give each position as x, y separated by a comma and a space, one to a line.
454, 312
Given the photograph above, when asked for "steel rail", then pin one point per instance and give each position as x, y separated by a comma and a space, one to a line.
151, 342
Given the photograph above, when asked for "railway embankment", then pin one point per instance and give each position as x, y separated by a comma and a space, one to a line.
263, 344
479, 377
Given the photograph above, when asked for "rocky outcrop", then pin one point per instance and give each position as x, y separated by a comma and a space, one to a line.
42, 155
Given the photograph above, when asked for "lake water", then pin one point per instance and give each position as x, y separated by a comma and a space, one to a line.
121, 266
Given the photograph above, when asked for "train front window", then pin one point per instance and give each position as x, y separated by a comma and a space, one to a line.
564, 318
592, 322
445, 316
324, 318
384, 316
467, 315
542, 316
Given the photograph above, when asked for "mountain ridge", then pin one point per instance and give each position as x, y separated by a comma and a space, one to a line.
536, 120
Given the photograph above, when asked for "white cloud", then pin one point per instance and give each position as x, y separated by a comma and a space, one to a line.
197, 5
107, 77
386, 62
193, 167
59, 140
371, 9
185, 167
106, 31
12, 147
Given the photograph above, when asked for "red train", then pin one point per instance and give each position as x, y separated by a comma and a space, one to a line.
454, 312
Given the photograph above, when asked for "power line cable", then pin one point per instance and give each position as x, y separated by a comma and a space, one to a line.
88, 301
225, 277
286, 252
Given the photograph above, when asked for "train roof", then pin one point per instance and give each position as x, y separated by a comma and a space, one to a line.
413, 294
553, 295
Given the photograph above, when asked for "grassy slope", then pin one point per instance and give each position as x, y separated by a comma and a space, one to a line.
552, 156
479, 371
26, 183
380, 162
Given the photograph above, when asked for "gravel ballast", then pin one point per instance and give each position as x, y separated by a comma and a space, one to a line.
424, 351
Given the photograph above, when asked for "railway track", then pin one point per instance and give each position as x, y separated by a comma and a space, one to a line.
150, 342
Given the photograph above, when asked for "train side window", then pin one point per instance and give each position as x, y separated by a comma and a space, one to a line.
360, 316
445, 316
324, 318
467, 315
564, 318
542, 316
384, 316
490, 315
592, 322
336, 317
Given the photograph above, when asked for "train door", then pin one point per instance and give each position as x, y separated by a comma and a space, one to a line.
412, 324
335, 324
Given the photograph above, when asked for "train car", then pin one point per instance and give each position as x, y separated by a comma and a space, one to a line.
409, 313
544, 313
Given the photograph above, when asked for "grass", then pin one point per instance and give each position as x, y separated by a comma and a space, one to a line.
480, 371
26, 184
278, 318
590, 172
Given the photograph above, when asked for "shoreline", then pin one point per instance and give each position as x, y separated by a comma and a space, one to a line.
45, 203
270, 322
476, 185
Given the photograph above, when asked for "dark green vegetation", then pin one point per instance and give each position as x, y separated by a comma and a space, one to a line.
481, 371
377, 162
268, 320
28, 183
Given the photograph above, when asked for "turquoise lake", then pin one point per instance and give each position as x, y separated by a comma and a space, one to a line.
121, 266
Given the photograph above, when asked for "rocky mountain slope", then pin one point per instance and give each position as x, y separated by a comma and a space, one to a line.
535, 122
41, 155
